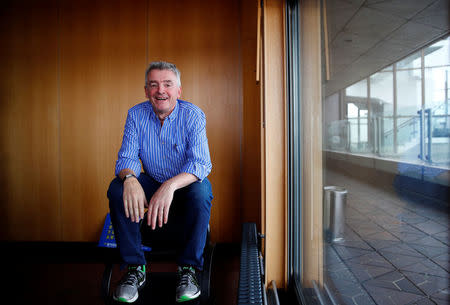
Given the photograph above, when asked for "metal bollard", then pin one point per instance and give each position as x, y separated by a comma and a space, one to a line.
335, 198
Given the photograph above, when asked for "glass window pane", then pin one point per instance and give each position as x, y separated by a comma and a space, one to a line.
382, 94
411, 62
409, 92
387, 206
363, 132
353, 125
437, 105
336, 136
385, 136
409, 101
352, 110
382, 107
408, 138
387, 69
357, 90
438, 54
436, 80
356, 99
357, 112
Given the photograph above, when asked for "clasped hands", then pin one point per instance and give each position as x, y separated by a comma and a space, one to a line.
135, 202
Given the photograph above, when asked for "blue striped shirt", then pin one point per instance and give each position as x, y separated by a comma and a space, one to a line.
178, 146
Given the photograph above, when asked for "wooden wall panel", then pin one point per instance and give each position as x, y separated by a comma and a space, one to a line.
274, 149
72, 69
203, 41
103, 60
251, 140
311, 106
29, 182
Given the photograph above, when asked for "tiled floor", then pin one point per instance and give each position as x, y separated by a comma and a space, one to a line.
395, 248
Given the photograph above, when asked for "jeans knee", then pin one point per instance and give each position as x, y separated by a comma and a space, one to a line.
199, 195
115, 191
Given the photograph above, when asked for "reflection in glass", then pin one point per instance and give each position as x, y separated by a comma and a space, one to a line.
391, 152
357, 114
438, 54
388, 115
382, 107
409, 102
357, 90
382, 93
411, 62
436, 80
437, 105
409, 92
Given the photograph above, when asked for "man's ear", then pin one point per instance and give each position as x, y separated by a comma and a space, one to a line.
146, 92
179, 92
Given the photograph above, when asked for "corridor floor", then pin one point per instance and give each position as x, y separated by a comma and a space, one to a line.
395, 248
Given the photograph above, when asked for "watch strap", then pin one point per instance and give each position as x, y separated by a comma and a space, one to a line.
128, 176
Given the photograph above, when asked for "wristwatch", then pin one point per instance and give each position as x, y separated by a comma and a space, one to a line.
128, 176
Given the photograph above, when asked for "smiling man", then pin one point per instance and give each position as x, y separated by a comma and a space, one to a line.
168, 136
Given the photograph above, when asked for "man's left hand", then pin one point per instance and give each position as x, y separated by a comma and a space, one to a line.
159, 205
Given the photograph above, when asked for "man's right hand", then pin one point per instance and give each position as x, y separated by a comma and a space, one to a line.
134, 199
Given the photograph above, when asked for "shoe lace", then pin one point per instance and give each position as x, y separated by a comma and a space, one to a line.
132, 277
186, 275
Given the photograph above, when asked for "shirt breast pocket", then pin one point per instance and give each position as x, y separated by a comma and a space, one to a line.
180, 149
176, 155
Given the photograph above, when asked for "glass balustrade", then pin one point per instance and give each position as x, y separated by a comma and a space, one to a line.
416, 138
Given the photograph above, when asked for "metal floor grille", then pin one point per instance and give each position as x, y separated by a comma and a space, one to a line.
250, 284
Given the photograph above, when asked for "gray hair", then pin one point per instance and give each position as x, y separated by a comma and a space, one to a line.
162, 65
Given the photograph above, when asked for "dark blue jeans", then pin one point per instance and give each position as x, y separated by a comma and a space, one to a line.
189, 213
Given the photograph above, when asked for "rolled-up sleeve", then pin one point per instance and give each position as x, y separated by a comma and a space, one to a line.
128, 156
198, 159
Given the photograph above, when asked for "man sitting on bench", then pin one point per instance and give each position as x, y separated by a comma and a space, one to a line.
169, 136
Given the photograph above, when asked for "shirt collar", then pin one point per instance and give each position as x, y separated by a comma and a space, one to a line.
171, 116
174, 113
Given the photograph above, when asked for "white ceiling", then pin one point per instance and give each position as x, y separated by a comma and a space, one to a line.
365, 36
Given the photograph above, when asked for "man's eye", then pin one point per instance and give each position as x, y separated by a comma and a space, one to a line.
168, 85
153, 86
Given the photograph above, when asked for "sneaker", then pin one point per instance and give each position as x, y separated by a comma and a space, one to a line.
187, 286
132, 281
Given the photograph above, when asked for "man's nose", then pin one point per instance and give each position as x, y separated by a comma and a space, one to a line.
161, 88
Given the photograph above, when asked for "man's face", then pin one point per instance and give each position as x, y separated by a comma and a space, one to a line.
163, 91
